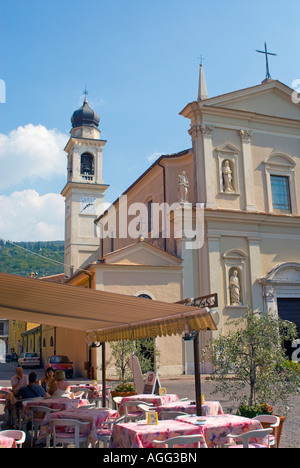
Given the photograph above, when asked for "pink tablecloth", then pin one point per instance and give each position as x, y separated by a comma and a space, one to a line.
56, 403
210, 408
7, 442
95, 416
141, 435
156, 400
216, 428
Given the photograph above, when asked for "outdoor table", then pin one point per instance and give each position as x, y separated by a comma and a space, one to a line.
56, 403
155, 400
7, 442
95, 416
209, 408
142, 435
215, 429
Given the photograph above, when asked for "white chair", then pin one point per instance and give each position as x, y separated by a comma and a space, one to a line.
78, 395
186, 440
145, 409
71, 433
170, 415
257, 434
19, 436
135, 416
117, 401
272, 422
105, 432
37, 415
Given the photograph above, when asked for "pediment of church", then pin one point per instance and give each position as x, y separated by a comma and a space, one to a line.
272, 98
142, 253
285, 273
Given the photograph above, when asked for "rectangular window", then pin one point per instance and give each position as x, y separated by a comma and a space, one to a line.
281, 194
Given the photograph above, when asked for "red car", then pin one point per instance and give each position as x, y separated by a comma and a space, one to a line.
60, 363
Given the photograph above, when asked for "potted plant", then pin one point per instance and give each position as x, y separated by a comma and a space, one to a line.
124, 390
250, 364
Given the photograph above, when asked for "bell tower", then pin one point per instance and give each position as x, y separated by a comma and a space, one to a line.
84, 190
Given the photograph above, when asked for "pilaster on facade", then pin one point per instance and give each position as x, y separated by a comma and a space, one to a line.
201, 135
246, 136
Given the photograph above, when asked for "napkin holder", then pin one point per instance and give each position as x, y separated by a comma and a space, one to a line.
152, 418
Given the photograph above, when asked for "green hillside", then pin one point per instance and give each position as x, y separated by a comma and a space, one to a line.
14, 259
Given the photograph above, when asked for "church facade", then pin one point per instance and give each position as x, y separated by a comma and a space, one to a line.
242, 174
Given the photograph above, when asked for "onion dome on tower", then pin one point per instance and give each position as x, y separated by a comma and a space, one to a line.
85, 117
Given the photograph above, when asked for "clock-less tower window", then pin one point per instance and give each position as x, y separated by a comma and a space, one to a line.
87, 166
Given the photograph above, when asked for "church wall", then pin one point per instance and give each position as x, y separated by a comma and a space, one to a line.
159, 284
277, 251
264, 145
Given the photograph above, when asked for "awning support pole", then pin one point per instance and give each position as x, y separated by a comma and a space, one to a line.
197, 375
103, 376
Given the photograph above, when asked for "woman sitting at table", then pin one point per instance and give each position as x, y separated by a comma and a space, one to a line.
60, 387
47, 381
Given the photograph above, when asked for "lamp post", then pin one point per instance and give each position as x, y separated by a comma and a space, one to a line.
194, 336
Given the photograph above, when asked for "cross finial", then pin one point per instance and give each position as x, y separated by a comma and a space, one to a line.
268, 76
201, 58
85, 92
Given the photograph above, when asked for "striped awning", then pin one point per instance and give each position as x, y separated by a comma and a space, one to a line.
104, 316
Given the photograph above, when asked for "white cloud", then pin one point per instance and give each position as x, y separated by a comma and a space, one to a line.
28, 216
31, 152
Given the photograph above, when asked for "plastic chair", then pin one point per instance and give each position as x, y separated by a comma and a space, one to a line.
105, 432
145, 409
135, 404
117, 401
71, 433
78, 395
19, 436
257, 434
270, 421
37, 415
170, 415
182, 440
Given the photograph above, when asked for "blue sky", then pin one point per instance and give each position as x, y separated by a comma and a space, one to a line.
139, 60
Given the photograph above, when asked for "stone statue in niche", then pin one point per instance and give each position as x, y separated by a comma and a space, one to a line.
227, 177
235, 289
184, 184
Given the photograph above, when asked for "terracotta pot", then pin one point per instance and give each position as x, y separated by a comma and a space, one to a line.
122, 394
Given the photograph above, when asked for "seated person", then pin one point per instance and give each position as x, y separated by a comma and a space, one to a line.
32, 390
60, 387
19, 380
47, 381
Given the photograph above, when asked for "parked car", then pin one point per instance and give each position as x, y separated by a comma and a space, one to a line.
60, 363
29, 360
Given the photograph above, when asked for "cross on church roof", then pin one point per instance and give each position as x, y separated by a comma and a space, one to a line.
85, 92
268, 76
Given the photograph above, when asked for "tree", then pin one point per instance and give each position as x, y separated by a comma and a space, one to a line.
252, 357
144, 349
121, 352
